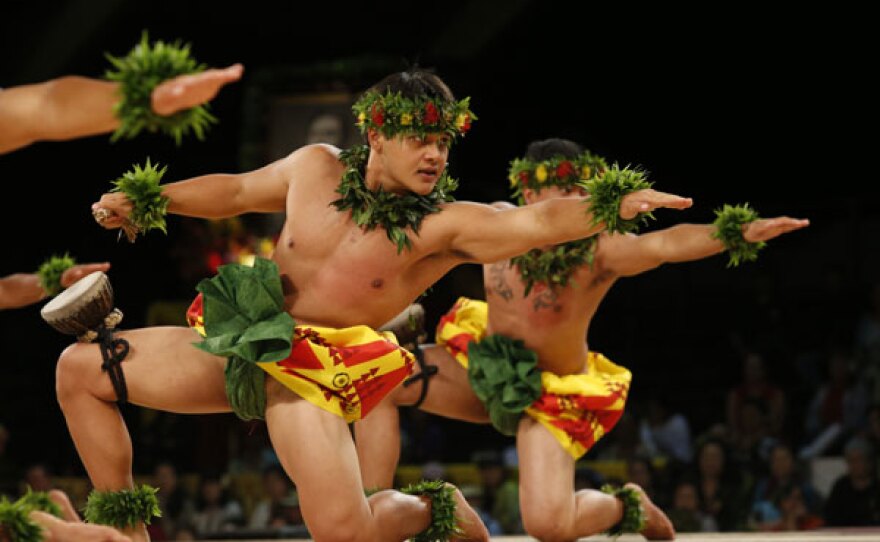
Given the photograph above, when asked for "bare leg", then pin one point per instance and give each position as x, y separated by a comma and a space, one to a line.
551, 510
163, 371
378, 435
317, 452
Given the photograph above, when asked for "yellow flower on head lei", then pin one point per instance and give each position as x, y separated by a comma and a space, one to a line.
557, 171
391, 114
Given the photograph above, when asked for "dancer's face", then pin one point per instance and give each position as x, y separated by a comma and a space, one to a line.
411, 163
535, 196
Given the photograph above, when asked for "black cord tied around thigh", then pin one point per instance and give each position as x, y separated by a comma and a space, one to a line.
113, 352
427, 371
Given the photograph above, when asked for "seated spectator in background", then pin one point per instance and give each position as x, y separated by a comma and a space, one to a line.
640, 471
587, 478
215, 510
474, 495
783, 474
500, 492
855, 497
838, 409
756, 387
686, 513
8, 469
665, 434
751, 445
723, 489
867, 343
281, 505
185, 533
621, 444
174, 501
38, 477
794, 513
872, 431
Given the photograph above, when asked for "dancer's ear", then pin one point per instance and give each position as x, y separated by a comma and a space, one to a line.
375, 140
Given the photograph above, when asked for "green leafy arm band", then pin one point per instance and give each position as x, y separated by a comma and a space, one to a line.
141, 186
142, 70
633, 520
123, 509
442, 495
50, 273
606, 192
728, 229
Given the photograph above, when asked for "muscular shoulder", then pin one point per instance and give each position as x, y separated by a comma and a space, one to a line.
312, 162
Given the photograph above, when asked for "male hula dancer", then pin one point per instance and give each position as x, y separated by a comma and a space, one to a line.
156, 87
368, 230
539, 310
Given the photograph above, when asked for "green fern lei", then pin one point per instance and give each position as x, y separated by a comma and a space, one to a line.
555, 266
138, 74
728, 229
39, 500
606, 192
633, 520
443, 524
374, 208
141, 186
15, 523
123, 509
50, 273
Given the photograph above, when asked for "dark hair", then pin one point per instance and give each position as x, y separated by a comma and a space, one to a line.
546, 149
415, 83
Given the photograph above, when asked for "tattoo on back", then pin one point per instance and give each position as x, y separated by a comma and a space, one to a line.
546, 300
499, 283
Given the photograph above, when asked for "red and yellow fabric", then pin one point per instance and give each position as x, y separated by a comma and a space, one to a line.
465, 322
345, 371
577, 409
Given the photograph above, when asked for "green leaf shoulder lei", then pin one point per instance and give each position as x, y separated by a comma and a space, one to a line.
728, 229
377, 208
606, 192
141, 186
138, 74
555, 266
50, 273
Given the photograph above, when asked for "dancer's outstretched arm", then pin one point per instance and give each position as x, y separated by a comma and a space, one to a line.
71, 107
629, 255
487, 234
22, 289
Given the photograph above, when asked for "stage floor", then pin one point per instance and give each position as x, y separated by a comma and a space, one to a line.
861, 535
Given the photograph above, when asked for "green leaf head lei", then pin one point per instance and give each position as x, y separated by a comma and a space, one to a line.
558, 171
392, 114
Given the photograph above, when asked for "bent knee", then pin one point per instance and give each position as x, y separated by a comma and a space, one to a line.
77, 367
545, 527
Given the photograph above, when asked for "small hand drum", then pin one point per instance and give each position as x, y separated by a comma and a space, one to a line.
83, 308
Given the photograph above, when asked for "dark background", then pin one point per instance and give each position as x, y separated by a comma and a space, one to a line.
731, 105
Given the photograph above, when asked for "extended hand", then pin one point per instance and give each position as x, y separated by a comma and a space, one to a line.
71, 528
765, 229
645, 201
186, 91
113, 210
77, 272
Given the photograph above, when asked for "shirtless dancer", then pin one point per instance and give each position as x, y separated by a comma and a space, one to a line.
367, 233
580, 394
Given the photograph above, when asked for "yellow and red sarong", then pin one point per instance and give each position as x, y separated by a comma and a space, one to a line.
577, 409
345, 371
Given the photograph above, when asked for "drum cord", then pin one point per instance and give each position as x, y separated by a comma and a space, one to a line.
113, 351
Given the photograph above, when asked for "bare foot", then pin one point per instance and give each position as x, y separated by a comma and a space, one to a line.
468, 521
57, 530
63, 501
657, 525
